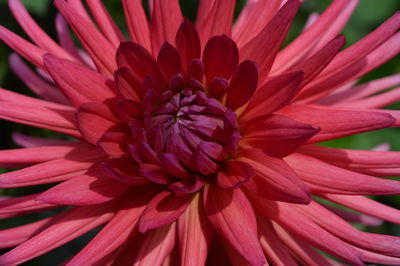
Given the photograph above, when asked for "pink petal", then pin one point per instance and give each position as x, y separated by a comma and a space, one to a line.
29, 141
242, 85
24, 48
163, 209
301, 226
70, 225
86, 189
58, 120
105, 22
273, 95
232, 216
264, 47
79, 84
17, 235
195, 234
234, 173
35, 32
379, 258
274, 178
166, 18
214, 18
255, 15
52, 171
37, 84
342, 122
367, 206
100, 49
355, 217
187, 42
123, 170
137, 22
115, 234
114, 143
64, 37
377, 101
276, 251
22, 205
156, 245
275, 134
329, 24
220, 57
34, 155
331, 179
94, 119
388, 245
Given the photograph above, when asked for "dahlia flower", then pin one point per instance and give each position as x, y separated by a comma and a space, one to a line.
196, 143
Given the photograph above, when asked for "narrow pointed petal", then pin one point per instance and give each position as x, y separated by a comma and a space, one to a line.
71, 224
15, 236
273, 95
37, 84
195, 234
29, 141
105, 22
35, 32
274, 178
234, 173
138, 24
163, 209
388, 245
215, 19
166, 18
187, 42
156, 245
242, 85
24, 48
376, 101
223, 207
100, 49
355, 217
122, 170
275, 134
331, 179
264, 47
34, 155
79, 84
87, 189
220, 57
58, 120
342, 122
301, 226
255, 15
64, 37
276, 251
367, 206
323, 30
22, 205
115, 234
51, 171
379, 258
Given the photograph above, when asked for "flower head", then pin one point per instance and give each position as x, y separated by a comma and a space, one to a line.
192, 143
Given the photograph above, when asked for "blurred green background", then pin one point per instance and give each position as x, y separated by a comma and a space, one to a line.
368, 15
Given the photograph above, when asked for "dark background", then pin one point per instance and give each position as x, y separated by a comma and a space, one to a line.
368, 15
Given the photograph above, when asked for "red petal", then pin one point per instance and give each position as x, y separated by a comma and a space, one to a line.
78, 83
273, 95
169, 60
220, 57
233, 218
129, 85
87, 189
22, 205
242, 85
234, 173
166, 18
70, 225
264, 47
274, 178
275, 134
187, 42
163, 209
